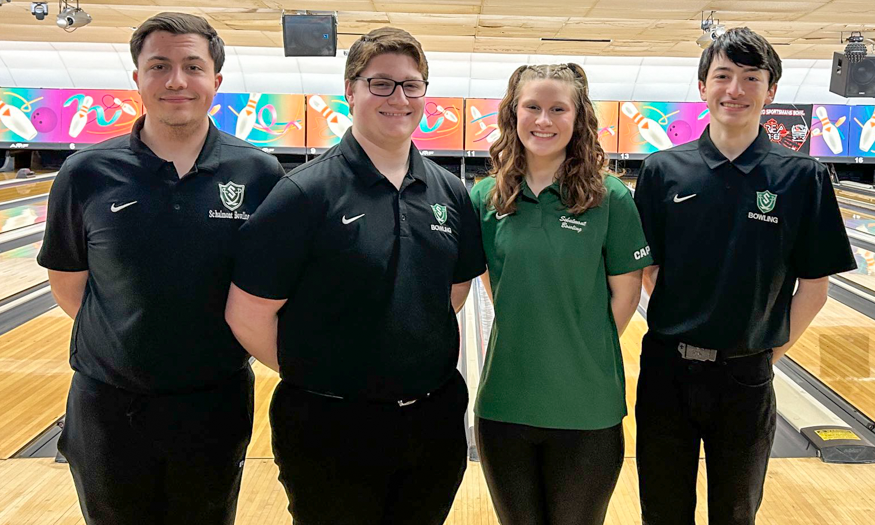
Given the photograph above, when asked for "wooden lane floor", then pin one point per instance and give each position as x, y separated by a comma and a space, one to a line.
803, 491
798, 491
20, 270
34, 379
855, 196
25, 190
838, 349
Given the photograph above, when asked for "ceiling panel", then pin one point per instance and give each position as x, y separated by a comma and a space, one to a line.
811, 29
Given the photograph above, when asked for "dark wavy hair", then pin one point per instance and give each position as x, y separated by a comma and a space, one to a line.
582, 174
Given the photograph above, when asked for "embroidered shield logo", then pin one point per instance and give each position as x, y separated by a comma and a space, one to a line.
231, 195
440, 213
766, 201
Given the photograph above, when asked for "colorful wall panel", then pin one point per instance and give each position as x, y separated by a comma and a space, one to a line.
440, 131
28, 117
830, 127
89, 116
646, 127
862, 132
608, 114
328, 119
481, 124
271, 121
787, 125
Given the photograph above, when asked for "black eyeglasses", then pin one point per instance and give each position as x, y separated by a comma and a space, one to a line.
384, 87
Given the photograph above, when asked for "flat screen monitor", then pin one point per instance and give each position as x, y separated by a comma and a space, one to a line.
310, 35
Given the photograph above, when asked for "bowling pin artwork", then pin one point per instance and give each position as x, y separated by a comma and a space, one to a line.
17, 122
867, 136
77, 123
649, 129
828, 131
127, 108
246, 118
478, 117
447, 113
338, 123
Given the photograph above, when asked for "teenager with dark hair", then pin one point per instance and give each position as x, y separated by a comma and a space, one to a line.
735, 222
564, 250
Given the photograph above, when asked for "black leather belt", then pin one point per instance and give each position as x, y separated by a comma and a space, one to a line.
696, 353
399, 402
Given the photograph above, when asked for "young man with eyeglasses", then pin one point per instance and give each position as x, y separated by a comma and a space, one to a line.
347, 282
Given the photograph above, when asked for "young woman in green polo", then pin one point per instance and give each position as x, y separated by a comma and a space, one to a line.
565, 250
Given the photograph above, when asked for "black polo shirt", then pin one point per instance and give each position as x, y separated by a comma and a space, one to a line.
731, 238
367, 271
158, 249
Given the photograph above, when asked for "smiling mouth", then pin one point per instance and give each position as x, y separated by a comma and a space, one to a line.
542, 135
394, 114
732, 105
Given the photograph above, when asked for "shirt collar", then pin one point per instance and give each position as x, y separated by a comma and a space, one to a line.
746, 162
207, 161
529, 194
361, 164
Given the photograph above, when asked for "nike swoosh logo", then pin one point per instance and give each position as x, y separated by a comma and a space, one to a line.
677, 198
499, 216
115, 208
351, 219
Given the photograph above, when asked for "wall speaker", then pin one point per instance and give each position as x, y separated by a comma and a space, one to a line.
852, 79
310, 35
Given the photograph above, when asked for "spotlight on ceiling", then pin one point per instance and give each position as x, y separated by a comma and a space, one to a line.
70, 18
855, 51
711, 29
39, 10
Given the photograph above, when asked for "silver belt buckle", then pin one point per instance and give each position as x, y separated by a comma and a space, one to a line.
696, 353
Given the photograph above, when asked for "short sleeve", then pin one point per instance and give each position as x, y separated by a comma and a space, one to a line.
648, 199
472, 260
822, 247
626, 248
274, 244
64, 243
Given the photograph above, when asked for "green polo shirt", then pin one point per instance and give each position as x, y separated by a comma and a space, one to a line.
554, 356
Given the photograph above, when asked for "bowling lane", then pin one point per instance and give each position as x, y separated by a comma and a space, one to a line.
20, 271
838, 350
14, 189
34, 378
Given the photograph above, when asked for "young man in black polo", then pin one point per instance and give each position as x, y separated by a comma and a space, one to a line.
347, 281
138, 247
734, 222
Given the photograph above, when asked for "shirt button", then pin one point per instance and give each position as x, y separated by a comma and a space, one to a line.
403, 216
177, 207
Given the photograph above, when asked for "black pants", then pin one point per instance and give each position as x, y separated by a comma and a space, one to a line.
157, 460
540, 476
346, 462
729, 405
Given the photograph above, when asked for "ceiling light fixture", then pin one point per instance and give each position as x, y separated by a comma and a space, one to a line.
70, 18
711, 29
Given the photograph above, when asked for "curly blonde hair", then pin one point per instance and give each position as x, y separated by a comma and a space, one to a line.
581, 175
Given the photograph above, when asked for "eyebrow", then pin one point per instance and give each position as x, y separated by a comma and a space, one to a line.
746, 69
190, 58
389, 77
